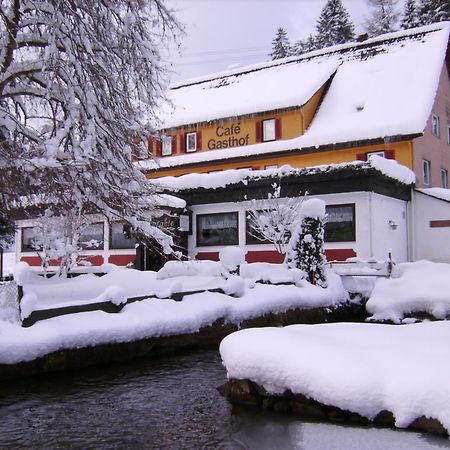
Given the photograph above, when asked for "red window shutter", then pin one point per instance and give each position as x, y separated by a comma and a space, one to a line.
258, 131
158, 148
174, 145
150, 147
277, 129
361, 157
199, 140
182, 143
255, 168
389, 154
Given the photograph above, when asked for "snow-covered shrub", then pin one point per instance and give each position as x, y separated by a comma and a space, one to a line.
21, 273
173, 269
306, 247
116, 295
234, 286
273, 219
231, 258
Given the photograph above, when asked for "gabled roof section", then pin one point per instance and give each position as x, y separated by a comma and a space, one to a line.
383, 87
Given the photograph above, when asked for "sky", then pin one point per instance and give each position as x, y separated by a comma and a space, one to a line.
221, 34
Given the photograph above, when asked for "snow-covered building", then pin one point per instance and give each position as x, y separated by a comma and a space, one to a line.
389, 95
312, 124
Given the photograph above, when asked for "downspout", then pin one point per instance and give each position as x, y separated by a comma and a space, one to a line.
411, 228
370, 226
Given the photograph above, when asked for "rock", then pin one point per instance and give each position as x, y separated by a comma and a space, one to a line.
429, 425
384, 418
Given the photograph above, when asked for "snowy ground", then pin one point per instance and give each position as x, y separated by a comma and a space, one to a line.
364, 368
155, 316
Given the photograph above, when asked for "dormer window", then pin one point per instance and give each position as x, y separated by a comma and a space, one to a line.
166, 146
435, 126
268, 130
191, 142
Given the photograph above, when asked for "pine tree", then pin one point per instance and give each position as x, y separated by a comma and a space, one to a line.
280, 45
334, 25
308, 45
411, 17
383, 18
432, 11
306, 247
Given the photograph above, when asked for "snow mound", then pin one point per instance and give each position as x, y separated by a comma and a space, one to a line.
313, 207
363, 368
422, 286
231, 258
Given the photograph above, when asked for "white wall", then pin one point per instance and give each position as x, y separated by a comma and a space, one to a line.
429, 243
374, 237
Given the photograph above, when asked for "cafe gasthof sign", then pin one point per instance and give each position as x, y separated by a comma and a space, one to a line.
228, 137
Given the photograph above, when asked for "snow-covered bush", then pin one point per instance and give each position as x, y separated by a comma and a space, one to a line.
273, 219
57, 238
306, 247
21, 273
173, 269
231, 259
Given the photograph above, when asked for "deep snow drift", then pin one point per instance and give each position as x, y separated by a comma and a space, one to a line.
363, 368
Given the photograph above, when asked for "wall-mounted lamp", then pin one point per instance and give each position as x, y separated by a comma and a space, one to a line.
392, 225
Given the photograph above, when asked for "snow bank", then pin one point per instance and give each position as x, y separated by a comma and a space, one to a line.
152, 317
364, 368
422, 286
231, 257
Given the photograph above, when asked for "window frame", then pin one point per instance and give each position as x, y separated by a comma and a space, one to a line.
435, 125
353, 230
166, 141
448, 134
263, 130
426, 172
444, 178
220, 244
188, 149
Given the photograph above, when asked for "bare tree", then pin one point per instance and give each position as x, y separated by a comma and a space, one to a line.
80, 81
384, 17
273, 219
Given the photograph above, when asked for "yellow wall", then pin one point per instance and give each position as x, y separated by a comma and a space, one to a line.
403, 154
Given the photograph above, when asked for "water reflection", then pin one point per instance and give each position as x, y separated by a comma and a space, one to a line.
167, 403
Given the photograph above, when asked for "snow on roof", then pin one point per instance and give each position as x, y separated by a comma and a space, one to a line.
224, 178
440, 193
263, 90
382, 87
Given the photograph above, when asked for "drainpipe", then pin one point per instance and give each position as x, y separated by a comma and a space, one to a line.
370, 226
411, 228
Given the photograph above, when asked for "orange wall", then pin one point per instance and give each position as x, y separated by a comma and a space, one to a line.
402, 152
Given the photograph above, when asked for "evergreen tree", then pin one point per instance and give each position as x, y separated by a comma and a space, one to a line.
432, 11
6, 231
306, 247
334, 25
280, 45
308, 45
411, 17
383, 18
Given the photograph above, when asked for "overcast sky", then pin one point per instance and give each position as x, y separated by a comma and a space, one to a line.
222, 33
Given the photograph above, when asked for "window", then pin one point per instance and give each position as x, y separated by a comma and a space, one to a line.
379, 153
268, 130
28, 238
435, 126
340, 225
217, 229
166, 146
426, 166
253, 236
92, 238
191, 142
444, 178
121, 236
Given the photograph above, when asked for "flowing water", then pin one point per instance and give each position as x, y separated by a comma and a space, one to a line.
166, 403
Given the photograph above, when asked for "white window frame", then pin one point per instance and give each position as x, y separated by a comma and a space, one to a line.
269, 130
426, 172
193, 148
166, 145
448, 134
444, 178
435, 125
377, 153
